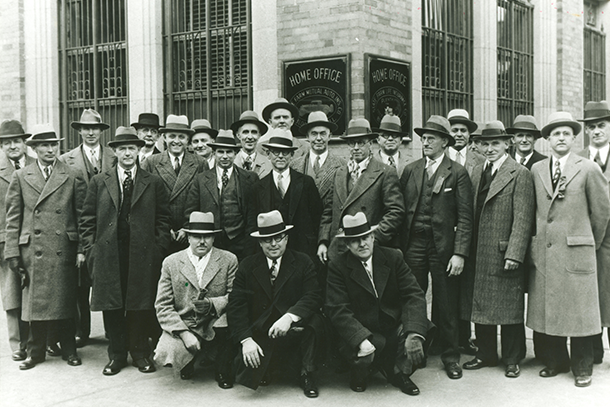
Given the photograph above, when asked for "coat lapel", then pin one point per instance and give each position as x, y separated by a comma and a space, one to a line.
166, 170
502, 178
34, 178
358, 274
6, 169
442, 172
296, 187
545, 177
341, 184
368, 178
58, 177
418, 176
111, 179
261, 273
211, 269
108, 158
79, 161
187, 171
141, 183
381, 272
211, 184
188, 270
572, 167
286, 270
477, 173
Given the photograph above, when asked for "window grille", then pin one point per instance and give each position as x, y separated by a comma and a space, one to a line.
595, 65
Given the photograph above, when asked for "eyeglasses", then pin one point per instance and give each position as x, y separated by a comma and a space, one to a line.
390, 136
277, 153
274, 239
354, 143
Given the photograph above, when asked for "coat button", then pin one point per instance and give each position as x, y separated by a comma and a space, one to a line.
37, 212
38, 254
549, 244
57, 232
58, 211
548, 197
110, 224
59, 252
550, 220
37, 232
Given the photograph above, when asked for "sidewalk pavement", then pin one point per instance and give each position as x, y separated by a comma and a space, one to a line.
54, 383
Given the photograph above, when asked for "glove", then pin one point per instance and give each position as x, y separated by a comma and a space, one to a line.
204, 306
13, 264
414, 349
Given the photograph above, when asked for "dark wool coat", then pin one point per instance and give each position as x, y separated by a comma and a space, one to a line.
149, 239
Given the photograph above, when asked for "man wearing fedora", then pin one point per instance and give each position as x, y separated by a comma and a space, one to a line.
248, 130
377, 307
572, 212
389, 140
435, 237
461, 129
227, 191
12, 141
191, 304
493, 291
294, 194
42, 245
147, 127
125, 226
319, 163
274, 309
178, 169
282, 114
597, 129
204, 134
363, 185
525, 133
89, 158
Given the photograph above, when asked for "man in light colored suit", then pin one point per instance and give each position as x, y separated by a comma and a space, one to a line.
248, 130
461, 129
192, 298
389, 140
177, 168
494, 280
12, 141
572, 213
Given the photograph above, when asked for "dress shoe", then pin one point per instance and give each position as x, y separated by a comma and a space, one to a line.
224, 381
454, 371
53, 350
187, 372
308, 384
551, 372
582, 381
144, 365
405, 384
28, 364
265, 381
113, 367
81, 341
357, 385
73, 360
476, 364
19, 355
468, 349
512, 371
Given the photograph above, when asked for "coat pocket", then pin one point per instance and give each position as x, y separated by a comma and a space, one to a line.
503, 245
72, 236
581, 254
24, 239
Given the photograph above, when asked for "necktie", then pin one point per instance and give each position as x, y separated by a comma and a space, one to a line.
316, 165
94, 162
458, 158
430, 168
280, 185
47, 172
369, 273
248, 163
556, 174
17, 165
273, 271
391, 162
177, 166
522, 160
127, 187
598, 160
224, 179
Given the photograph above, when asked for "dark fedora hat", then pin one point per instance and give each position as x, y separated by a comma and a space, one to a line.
147, 120
43, 133
249, 116
126, 135
358, 128
596, 111
280, 103
12, 129
524, 123
390, 124
89, 118
203, 126
560, 119
178, 124
317, 118
280, 138
461, 116
436, 125
201, 223
493, 130
225, 139
356, 226
270, 224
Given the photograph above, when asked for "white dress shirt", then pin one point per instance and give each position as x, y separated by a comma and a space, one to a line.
285, 179
200, 263
495, 166
518, 157
433, 166
121, 174
313, 156
219, 172
603, 153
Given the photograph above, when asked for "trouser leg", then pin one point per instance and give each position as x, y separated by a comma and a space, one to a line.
487, 342
464, 333
115, 325
224, 351
598, 347
83, 320
513, 343
138, 331
66, 332
18, 330
581, 350
555, 351
37, 340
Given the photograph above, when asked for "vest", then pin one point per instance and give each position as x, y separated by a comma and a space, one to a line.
88, 166
423, 214
231, 217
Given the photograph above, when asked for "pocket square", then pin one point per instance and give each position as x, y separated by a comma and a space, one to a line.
448, 190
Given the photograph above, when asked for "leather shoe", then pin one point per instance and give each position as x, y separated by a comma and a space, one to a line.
28, 364
223, 380
357, 385
53, 350
113, 367
73, 360
144, 365
308, 384
19, 355
550, 372
406, 385
187, 372
81, 341
582, 381
454, 371
468, 349
476, 364
512, 371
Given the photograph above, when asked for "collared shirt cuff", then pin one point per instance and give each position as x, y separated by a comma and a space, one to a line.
249, 338
295, 318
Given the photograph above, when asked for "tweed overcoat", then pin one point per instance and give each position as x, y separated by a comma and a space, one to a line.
451, 201
149, 240
563, 295
176, 186
491, 295
10, 283
76, 159
376, 193
603, 260
326, 174
42, 229
261, 165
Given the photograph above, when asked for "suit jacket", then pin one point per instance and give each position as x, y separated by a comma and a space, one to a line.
472, 160
536, 156
326, 175
261, 165
75, 158
10, 283
354, 309
400, 164
376, 193
452, 213
494, 296
304, 209
571, 223
149, 239
177, 186
42, 229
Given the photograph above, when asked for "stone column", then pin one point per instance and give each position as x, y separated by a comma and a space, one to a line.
265, 61
485, 61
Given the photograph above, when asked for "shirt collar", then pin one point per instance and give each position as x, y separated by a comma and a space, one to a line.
527, 157
453, 152
121, 172
495, 166
385, 158
312, 158
196, 259
89, 150
270, 262
173, 157
245, 155
21, 161
42, 167
220, 170
603, 152
562, 161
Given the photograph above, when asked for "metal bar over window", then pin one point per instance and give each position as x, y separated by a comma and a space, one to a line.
594, 65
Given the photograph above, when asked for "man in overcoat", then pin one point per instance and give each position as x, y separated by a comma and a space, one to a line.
572, 212
597, 128
125, 230
363, 185
274, 309
12, 141
435, 236
42, 244
227, 191
248, 129
525, 133
377, 307
390, 140
178, 169
294, 194
191, 304
494, 279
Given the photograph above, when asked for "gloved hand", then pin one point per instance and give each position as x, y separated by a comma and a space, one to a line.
204, 306
414, 349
